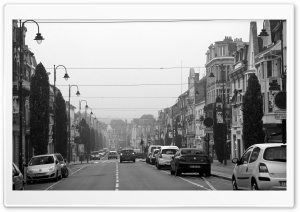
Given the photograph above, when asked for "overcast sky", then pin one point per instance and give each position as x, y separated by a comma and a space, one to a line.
103, 59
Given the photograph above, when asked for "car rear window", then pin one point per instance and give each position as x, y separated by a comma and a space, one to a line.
169, 151
156, 147
192, 151
41, 160
127, 151
96, 152
275, 154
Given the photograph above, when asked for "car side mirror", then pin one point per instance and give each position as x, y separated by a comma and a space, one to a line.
65, 160
16, 174
172, 157
25, 165
56, 161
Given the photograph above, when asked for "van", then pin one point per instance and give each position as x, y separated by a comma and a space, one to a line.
150, 149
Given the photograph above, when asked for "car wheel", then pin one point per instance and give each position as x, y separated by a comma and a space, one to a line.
207, 172
56, 177
234, 184
177, 172
254, 186
172, 172
158, 166
66, 174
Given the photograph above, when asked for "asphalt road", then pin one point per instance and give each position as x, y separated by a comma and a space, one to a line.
113, 175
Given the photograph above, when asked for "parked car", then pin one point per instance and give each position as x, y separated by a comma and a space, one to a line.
262, 167
101, 153
44, 167
127, 155
150, 149
153, 156
188, 160
63, 165
17, 178
95, 155
164, 156
112, 154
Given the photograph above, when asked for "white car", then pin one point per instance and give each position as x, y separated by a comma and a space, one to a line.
262, 167
44, 167
164, 157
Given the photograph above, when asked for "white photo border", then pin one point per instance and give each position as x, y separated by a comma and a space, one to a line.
141, 198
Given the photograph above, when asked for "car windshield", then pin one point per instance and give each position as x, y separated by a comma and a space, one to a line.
112, 153
169, 151
41, 160
275, 154
192, 151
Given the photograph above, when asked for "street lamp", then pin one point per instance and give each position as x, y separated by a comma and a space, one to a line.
39, 39
88, 149
86, 107
69, 143
54, 101
223, 110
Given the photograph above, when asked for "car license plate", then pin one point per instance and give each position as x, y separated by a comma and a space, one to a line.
282, 183
39, 175
193, 166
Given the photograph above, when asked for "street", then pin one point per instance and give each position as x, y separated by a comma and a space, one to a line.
113, 175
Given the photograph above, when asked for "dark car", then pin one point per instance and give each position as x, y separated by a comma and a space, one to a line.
190, 160
127, 155
63, 164
17, 178
95, 155
112, 154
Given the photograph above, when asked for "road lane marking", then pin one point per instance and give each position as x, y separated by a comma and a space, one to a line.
117, 177
196, 184
51, 187
208, 183
70, 169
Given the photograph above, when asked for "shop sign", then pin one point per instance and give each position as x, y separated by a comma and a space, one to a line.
208, 130
280, 114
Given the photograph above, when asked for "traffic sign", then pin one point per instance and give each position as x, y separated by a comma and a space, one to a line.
280, 100
208, 122
208, 130
280, 114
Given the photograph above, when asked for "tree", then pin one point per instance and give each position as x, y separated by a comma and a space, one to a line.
218, 133
61, 126
84, 131
39, 110
252, 113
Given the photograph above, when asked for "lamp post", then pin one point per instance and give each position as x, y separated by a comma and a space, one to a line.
223, 110
69, 142
39, 39
88, 147
66, 77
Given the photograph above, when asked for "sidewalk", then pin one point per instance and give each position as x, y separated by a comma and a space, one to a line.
220, 170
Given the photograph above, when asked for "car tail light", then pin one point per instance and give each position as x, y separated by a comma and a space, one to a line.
263, 168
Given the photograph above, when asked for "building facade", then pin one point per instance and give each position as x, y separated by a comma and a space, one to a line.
219, 62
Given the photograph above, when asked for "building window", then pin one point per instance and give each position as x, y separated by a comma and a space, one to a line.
270, 103
269, 69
